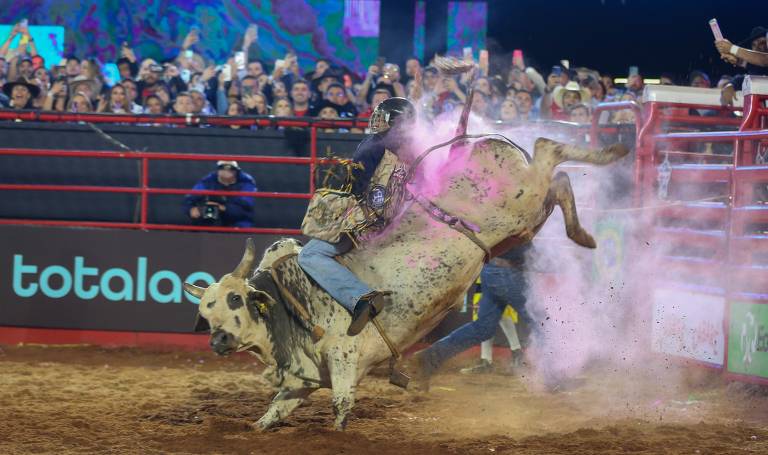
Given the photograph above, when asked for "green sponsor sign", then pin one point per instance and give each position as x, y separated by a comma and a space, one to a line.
748, 339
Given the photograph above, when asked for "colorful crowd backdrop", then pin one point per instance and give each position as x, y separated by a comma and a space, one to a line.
346, 32
467, 27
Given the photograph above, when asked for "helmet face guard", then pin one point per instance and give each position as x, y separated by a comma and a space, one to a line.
379, 121
388, 113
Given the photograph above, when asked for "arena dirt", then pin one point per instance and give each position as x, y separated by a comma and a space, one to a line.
92, 400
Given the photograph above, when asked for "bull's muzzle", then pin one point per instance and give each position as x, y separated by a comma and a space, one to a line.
223, 342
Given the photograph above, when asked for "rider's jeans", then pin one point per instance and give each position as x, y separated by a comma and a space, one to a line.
317, 259
501, 286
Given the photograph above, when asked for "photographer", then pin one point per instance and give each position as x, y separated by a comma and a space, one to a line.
233, 211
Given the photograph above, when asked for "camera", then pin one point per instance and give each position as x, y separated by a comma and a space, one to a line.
210, 212
209, 209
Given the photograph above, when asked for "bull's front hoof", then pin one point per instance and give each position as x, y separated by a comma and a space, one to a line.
261, 426
340, 425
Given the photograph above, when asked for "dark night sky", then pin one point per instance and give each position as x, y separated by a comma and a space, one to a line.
610, 35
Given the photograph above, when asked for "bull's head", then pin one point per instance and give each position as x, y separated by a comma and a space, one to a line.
232, 310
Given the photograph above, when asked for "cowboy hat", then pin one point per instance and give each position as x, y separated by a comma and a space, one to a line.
571, 86
33, 89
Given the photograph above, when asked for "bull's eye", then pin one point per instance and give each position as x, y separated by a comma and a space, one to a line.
234, 301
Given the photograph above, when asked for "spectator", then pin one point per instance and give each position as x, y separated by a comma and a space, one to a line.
282, 107
300, 96
82, 84
255, 69
758, 43
91, 69
126, 68
580, 113
448, 96
256, 104
635, 85
235, 109
151, 79
184, 104
378, 96
412, 67
337, 94
73, 67
699, 79
115, 102
508, 111
524, 102
328, 110
131, 91
200, 103
566, 97
79, 103
481, 105
21, 93
236, 211
154, 105
25, 68
56, 98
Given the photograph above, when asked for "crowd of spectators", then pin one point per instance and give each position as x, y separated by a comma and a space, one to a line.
247, 85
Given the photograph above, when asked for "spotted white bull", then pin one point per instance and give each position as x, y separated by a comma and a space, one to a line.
426, 264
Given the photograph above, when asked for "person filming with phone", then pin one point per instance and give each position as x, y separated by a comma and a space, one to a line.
230, 211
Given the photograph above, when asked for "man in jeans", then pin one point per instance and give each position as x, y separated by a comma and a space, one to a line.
504, 283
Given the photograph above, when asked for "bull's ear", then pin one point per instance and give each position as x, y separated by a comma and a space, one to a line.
248, 262
201, 324
259, 303
196, 291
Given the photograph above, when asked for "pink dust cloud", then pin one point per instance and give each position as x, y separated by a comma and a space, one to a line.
580, 318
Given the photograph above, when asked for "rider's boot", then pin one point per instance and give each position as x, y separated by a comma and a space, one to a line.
366, 309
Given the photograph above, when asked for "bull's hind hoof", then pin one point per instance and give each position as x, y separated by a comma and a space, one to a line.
583, 238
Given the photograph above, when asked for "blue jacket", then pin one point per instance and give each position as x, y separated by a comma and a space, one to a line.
239, 208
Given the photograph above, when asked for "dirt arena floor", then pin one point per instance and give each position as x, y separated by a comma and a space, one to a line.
92, 400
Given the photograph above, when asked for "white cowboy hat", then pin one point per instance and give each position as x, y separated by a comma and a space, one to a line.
571, 86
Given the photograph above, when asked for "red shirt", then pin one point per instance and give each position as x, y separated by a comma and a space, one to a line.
301, 113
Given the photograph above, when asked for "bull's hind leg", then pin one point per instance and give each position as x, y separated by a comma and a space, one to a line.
561, 193
548, 154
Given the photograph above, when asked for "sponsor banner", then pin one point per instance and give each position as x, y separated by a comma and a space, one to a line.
689, 324
748, 339
103, 279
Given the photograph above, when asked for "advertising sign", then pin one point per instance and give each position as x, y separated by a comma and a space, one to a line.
748, 339
689, 324
112, 279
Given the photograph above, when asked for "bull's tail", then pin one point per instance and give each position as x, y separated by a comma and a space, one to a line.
549, 153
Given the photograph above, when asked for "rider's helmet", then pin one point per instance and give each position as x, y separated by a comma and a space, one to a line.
390, 112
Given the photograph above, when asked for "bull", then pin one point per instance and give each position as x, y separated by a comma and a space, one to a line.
427, 262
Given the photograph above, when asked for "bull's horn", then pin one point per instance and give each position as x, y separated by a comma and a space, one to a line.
196, 291
248, 263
